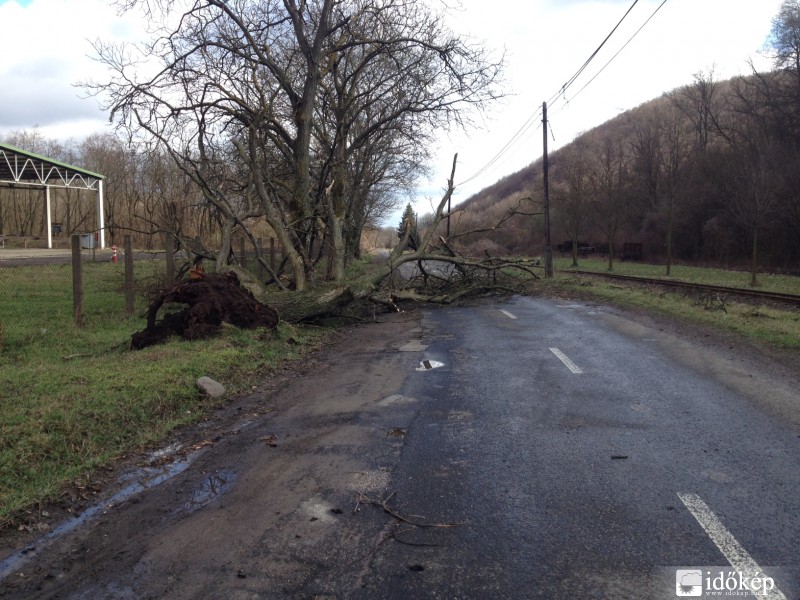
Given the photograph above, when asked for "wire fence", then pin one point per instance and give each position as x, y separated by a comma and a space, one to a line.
87, 291
48, 294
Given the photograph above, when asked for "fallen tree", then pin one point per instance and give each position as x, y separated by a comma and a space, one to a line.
433, 272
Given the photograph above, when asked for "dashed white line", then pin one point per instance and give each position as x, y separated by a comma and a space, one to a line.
567, 362
724, 540
506, 313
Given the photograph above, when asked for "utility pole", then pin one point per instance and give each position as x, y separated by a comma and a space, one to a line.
548, 249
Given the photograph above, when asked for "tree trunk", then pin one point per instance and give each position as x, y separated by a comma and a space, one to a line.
670, 213
754, 259
610, 253
337, 247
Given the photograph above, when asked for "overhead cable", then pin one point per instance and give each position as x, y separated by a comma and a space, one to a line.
562, 90
531, 121
658, 8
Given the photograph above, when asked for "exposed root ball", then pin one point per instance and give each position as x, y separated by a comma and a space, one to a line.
210, 300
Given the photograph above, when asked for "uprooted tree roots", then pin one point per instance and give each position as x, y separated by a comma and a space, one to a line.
211, 300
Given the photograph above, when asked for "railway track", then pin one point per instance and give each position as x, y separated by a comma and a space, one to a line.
742, 292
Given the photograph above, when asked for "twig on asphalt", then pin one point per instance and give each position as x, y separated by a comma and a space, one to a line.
383, 504
396, 533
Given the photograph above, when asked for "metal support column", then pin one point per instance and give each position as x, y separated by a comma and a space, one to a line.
49, 219
101, 222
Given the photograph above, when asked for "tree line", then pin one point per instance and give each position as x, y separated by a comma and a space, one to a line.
708, 172
145, 194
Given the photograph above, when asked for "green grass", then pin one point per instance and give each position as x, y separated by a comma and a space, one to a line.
787, 284
72, 399
777, 326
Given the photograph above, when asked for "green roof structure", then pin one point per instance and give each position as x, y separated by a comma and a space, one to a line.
20, 167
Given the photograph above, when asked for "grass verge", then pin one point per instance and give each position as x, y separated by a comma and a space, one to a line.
767, 282
72, 399
776, 325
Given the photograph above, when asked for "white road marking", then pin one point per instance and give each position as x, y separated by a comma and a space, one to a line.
506, 313
567, 362
724, 540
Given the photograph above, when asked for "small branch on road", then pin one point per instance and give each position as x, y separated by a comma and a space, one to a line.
383, 504
396, 533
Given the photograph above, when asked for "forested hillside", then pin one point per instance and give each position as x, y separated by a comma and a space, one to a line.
708, 172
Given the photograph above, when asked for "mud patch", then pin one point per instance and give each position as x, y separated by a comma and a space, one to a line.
143, 479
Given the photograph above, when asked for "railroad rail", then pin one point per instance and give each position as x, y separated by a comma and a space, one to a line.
744, 292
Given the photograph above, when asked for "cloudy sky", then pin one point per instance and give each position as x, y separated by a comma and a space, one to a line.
46, 50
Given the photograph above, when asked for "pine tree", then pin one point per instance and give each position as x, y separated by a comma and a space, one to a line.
408, 224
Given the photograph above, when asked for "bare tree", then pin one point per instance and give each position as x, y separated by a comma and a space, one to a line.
611, 180
269, 107
573, 169
757, 177
677, 155
699, 102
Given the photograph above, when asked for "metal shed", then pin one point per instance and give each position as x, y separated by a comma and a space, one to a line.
20, 167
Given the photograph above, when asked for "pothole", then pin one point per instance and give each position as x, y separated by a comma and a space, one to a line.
396, 399
413, 346
369, 481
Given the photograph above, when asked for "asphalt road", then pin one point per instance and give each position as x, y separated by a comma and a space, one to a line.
531, 449
569, 474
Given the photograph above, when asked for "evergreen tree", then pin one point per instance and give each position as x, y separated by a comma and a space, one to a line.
408, 224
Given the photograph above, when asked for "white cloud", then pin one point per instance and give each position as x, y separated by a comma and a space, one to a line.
46, 51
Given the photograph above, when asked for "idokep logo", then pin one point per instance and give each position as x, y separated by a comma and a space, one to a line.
689, 582
700, 582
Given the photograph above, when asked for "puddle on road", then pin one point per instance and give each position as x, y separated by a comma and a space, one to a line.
145, 478
212, 487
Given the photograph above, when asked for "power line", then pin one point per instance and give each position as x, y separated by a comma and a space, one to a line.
562, 90
514, 139
625, 45
532, 120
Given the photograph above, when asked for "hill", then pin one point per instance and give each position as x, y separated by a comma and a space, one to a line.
706, 172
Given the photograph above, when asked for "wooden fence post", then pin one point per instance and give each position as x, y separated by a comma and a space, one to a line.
272, 254
242, 259
77, 281
130, 299
169, 248
261, 274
